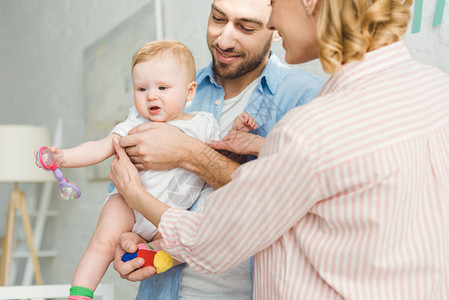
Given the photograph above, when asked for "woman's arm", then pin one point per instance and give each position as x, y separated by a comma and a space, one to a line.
125, 177
280, 186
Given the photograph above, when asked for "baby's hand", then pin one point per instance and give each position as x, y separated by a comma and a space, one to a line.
58, 156
244, 122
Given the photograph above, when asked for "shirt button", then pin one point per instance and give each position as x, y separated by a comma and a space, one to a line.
217, 103
211, 80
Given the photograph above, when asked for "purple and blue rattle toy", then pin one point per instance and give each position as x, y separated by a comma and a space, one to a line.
68, 190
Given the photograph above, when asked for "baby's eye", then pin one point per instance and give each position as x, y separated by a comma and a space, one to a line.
162, 88
142, 89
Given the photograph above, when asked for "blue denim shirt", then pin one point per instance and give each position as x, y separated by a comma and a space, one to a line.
280, 88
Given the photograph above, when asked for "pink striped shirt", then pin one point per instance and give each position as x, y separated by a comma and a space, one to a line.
349, 198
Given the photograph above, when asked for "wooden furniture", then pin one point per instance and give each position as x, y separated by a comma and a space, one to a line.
17, 202
17, 165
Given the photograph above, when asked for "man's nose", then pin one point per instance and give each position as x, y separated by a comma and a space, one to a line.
227, 38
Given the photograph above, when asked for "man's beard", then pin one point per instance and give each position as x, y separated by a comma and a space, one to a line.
245, 67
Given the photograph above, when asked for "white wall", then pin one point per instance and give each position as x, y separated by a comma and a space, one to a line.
41, 78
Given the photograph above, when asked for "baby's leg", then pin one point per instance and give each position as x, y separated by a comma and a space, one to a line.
116, 217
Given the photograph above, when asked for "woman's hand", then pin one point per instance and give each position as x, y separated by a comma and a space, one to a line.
124, 174
126, 180
130, 269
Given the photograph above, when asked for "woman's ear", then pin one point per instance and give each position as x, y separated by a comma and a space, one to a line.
311, 6
191, 91
314, 5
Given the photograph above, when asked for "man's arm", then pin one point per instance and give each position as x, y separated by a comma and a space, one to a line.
160, 146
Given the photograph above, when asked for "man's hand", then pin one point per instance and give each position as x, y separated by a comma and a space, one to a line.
156, 146
160, 146
128, 243
239, 142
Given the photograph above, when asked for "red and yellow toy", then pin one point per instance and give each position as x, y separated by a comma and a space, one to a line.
158, 259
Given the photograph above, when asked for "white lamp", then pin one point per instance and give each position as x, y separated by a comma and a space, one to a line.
17, 165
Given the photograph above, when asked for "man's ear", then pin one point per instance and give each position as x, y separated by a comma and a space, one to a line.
191, 91
276, 37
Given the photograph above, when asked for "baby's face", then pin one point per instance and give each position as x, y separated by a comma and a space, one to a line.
161, 89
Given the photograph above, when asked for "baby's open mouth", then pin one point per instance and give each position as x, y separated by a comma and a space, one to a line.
154, 109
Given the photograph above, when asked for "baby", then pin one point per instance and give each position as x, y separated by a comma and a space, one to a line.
163, 76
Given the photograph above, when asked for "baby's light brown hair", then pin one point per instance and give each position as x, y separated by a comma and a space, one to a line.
167, 49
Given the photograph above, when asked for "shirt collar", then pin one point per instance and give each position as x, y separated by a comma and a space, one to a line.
269, 76
271, 73
207, 74
374, 62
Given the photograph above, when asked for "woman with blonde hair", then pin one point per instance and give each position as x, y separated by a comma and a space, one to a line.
349, 197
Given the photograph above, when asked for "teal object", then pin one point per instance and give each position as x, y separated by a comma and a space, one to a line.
417, 14
438, 16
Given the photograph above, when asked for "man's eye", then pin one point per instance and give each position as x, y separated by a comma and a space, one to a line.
217, 19
247, 30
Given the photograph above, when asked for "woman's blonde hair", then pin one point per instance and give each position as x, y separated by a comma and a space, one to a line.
347, 29
167, 48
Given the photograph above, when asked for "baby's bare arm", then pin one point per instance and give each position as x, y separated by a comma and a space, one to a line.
88, 153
